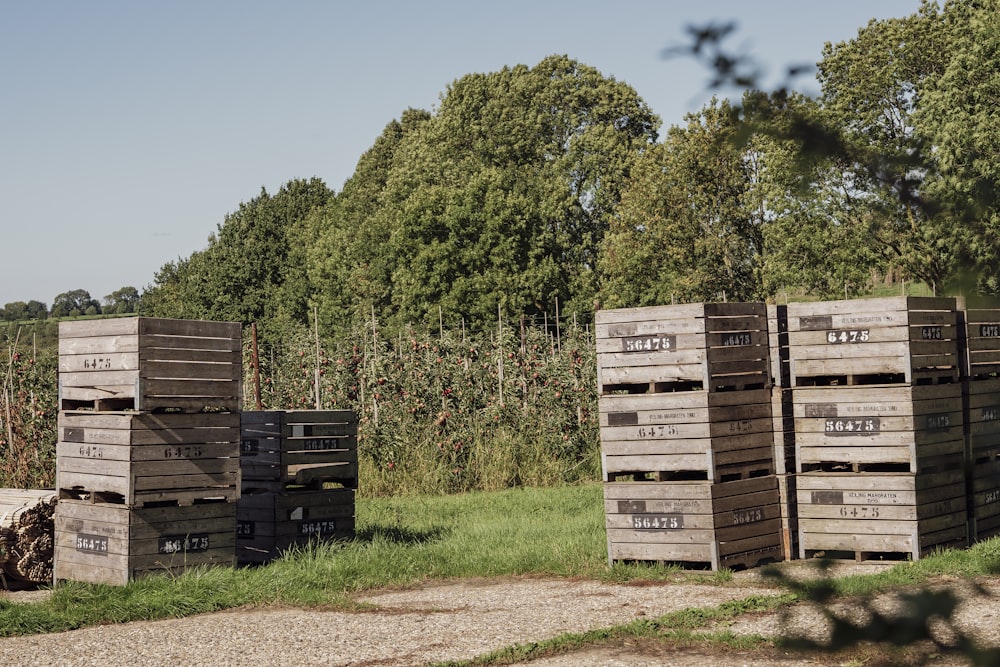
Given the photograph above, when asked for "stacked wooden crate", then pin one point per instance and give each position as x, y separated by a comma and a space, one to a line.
300, 472
981, 387
147, 466
878, 426
784, 427
687, 435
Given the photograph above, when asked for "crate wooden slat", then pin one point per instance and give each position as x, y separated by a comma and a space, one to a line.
701, 524
705, 347
112, 544
268, 524
878, 424
872, 516
140, 458
777, 336
982, 342
783, 419
719, 435
915, 339
299, 447
788, 505
149, 364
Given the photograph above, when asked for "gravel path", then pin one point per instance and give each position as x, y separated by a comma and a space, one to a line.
449, 621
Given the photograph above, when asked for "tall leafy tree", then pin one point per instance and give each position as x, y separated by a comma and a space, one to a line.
957, 117
345, 244
75, 303
498, 199
244, 273
686, 229
123, 300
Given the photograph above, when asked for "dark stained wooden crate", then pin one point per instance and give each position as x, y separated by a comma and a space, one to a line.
983, 416
269, 524
984, 498
872, 516
136, 458
707, 347
874, 341
299, 447
715, 436
695, 524
102, 543
150, 364
919, 428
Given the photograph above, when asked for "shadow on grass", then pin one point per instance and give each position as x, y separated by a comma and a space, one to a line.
399, 535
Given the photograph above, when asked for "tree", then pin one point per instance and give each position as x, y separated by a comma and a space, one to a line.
686, 229
243, 274
499, 199
123, 300
74, 303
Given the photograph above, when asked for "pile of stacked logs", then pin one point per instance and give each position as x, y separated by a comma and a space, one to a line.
26, 534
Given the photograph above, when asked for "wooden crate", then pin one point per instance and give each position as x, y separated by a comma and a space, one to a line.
915, 427
982, 343
707, 347
102, 543
984, 499
144, 363
777, 336
870, 516
268, 524
982, 416
299, 447
982, 402
715, 436
136, 458
697, 524
873, 341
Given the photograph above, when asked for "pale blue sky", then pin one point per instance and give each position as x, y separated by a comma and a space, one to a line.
129, 129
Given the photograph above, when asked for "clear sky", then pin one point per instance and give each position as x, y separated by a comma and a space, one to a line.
130, 128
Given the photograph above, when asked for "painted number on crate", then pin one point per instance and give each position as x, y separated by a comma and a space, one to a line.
838, 336
324, 527
657, 521
742, 426
989, 330
249, 447
245, 529
320, 443
848, 426
990, 414
741, 517
932, 333
649, 343
859, 512
97, 364
736, 339
183, 543
91, 452
661, 431
992, 496
185, 452
92, 544
938, 422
